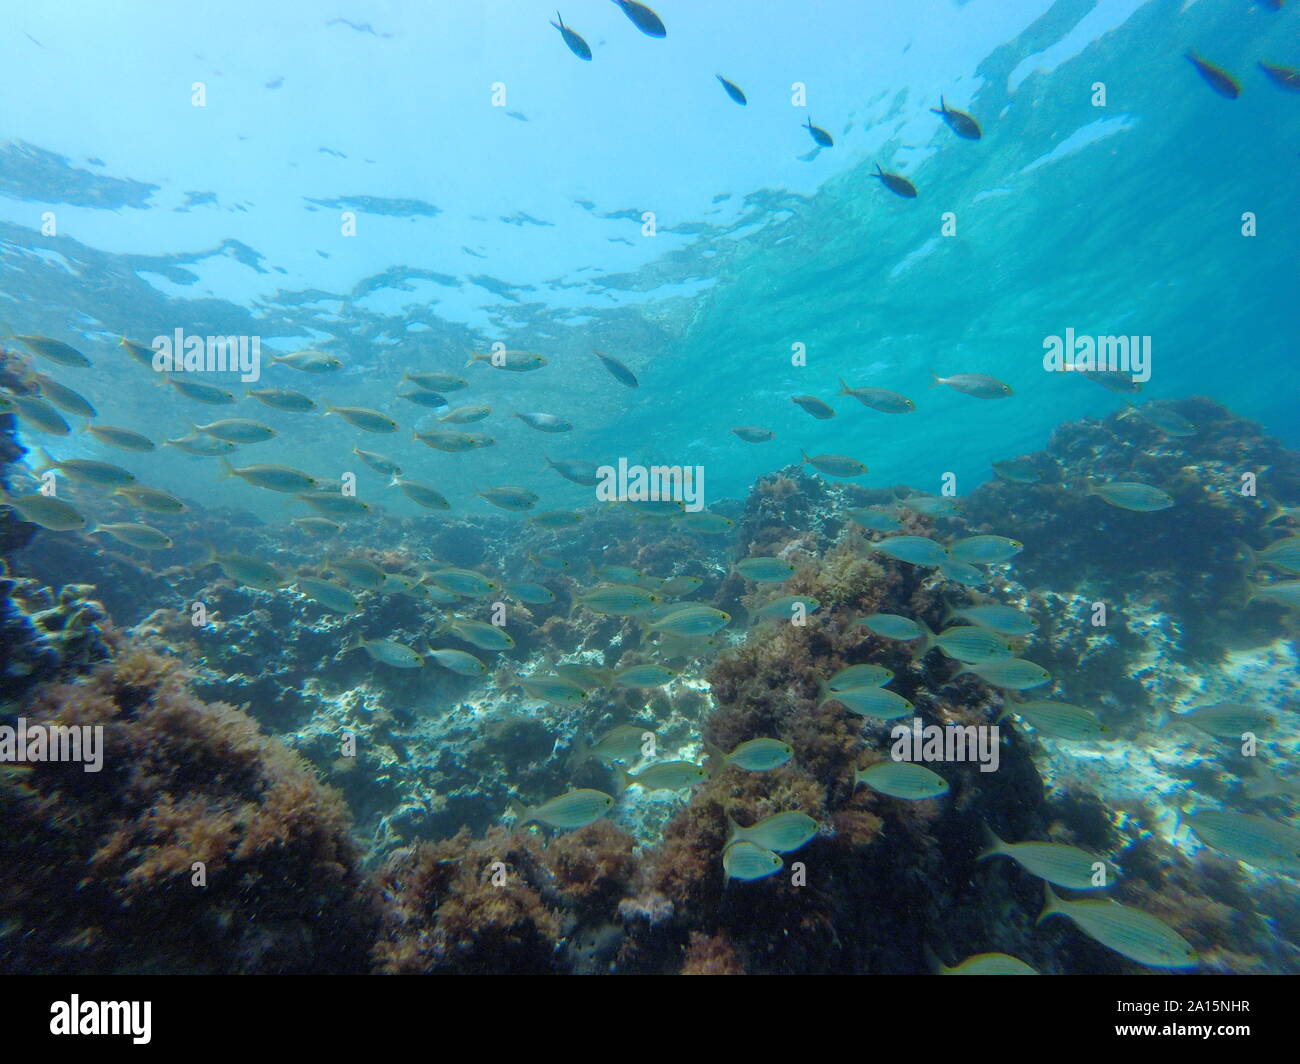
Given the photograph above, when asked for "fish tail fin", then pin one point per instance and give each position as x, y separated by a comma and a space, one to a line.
227, 470
351, 643
932, 961
519, 811
472, 360
934, 377
622, 781
733, 830
844, 388
396, 482
581, 754
803, 454
1051, 904
715, 759
45, 462
993, 844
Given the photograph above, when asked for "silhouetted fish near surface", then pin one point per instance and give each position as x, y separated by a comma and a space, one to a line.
819, 135
733, 90
617, 370
896, 183
958, 121
1287, 77
1219, 80
643, 18
576, 44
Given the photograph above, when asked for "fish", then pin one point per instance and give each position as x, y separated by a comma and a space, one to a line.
153, 499
318, 526
45, 510
515, 361
985, 550
896, 183
783, 608
477, 633
586, 676
1137, 935
765, 570
820, 137
201, 392
577, 45
573, 809
64, 398
1256, 840
971, 644
852, 676
1017, 470
250, 572
643, 18
329, 594
87, 471
1262, 783
548, 560
988, 964
814, 406
1218, 79
358, 572
464, 582
781, 832
931, 505
754, 434
617, 600
1016, 674
1115, 380
362, 418
39, 414
283, 399
873, 702
271, 477
1132, 495
1058, 864
445, 440
979, 385
466, 415
379, 463
435, 381
142, 353
513, 499
755, 755
146, 537
691, 621
705, 523
579, 472
958, 121
554, 688
308, 362
915, 550
1281, 554
835, 465
1059, 720
533, 594
385, 651
332, 504
876, 520
1286, 77
625, 742
649, 675
459, 661
545, 422
732, 90
618, 574
123, 439
962, 573
892, 626
1226, 720
902, 779
237, 430
1166, 420
1283, 592
881, 399
421, 494
748, 861
665, 776
679, 586
617, 370
433, 400
197, 443
1005, 620
54, 350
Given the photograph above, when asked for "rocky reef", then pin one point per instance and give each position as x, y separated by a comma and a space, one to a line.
348, 816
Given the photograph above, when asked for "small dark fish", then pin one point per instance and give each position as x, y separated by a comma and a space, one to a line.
814, 406
429, 399
1219, 80
819, 135
733, 90
617, 370
576, 44
1287, 77
958, 121
896, 183
643, 18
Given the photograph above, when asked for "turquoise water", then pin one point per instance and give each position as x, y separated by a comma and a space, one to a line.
404, 185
